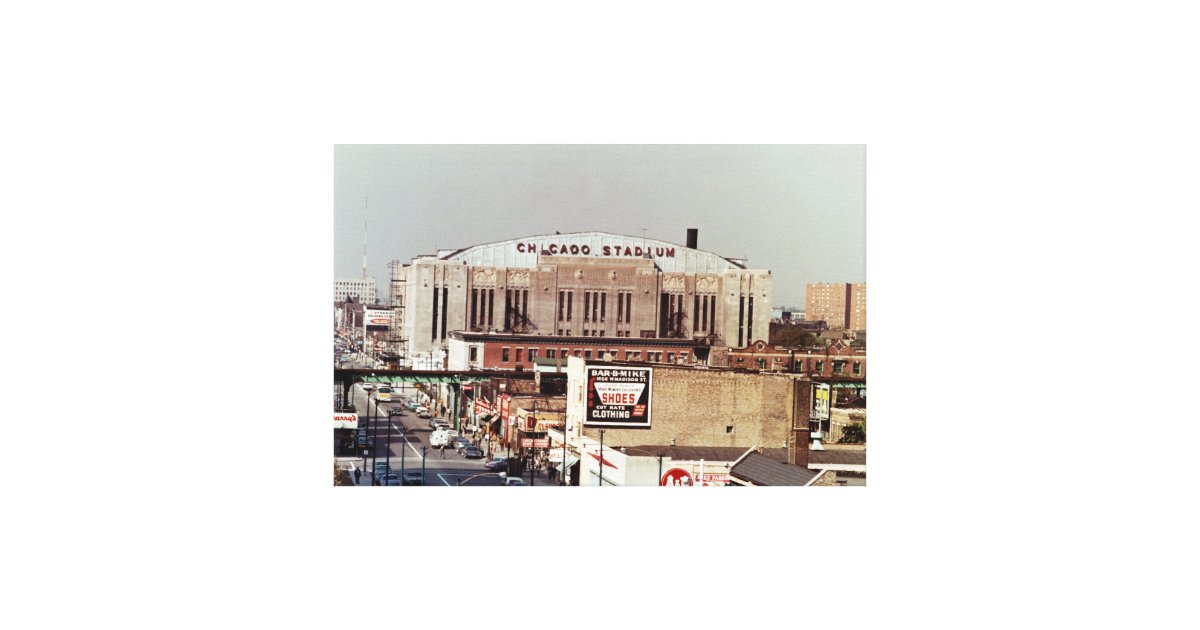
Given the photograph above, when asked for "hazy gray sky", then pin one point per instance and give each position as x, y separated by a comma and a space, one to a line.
797, 210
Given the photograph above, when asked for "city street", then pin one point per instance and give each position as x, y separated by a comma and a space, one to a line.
407, 446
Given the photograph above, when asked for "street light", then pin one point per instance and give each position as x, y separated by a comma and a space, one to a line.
601, 484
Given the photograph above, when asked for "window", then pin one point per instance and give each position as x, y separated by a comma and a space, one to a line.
587, 354
504, 355
683, 356
519, 354
670, 357
533, 352
839, 367
550, 353
858, 367
819, 367
564, 353
762, 364
601, 333
474, 353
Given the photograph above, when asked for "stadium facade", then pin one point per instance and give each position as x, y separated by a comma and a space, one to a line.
579, 285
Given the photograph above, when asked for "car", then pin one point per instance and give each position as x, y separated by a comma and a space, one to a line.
411, 404
368, 386
439, 423
414, 478
499, 463
395, 411
382, 468
390, 479
514, 481
472, 452
460, 443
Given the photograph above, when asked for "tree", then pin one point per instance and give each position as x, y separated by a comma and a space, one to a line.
856, 433
341, 477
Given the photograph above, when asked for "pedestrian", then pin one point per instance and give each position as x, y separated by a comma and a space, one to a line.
442, 449
357, 475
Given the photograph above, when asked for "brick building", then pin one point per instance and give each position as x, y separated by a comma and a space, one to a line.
474, 351
692, 406
837, 360
841, 305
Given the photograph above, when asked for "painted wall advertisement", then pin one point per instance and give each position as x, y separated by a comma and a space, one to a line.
618, 396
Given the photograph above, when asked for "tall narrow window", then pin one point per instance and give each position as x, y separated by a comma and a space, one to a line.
519, 354
603, 301
490, 300
434, 323
741, 320
561, 306
474, 305
628, 306
587, 301
620, 308
524, 305
570, 296
695, 310
445, 310
750, 321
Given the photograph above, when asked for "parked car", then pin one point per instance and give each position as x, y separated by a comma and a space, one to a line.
514, 481
390, 479
381, 469
472, 452
413, 478
439, 423
412, 405
499, 463
460, 443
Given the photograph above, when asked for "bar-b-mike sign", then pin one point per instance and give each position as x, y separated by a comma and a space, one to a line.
618, 397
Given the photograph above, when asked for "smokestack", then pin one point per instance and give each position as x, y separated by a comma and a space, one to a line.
691, 237
798, 452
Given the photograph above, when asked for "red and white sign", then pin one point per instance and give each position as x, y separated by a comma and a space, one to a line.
714, 479
676, 477
345, 421
535, 443
483, 407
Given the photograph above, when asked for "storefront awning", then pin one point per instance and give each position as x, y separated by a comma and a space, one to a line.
571, 460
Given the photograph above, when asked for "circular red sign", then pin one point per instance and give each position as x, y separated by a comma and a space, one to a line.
676, 477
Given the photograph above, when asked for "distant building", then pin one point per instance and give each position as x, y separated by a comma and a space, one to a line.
361, 289
842, 305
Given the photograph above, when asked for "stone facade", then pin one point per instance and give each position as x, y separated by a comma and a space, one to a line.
688, 294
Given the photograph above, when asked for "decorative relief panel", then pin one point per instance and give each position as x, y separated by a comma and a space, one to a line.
485, 278
706, 285
518, 279
673, 284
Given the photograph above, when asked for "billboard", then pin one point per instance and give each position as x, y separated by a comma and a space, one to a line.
820, 405
345, 420
377, 320
618, 397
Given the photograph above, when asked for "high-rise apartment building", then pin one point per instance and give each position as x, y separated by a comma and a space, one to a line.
841, 305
